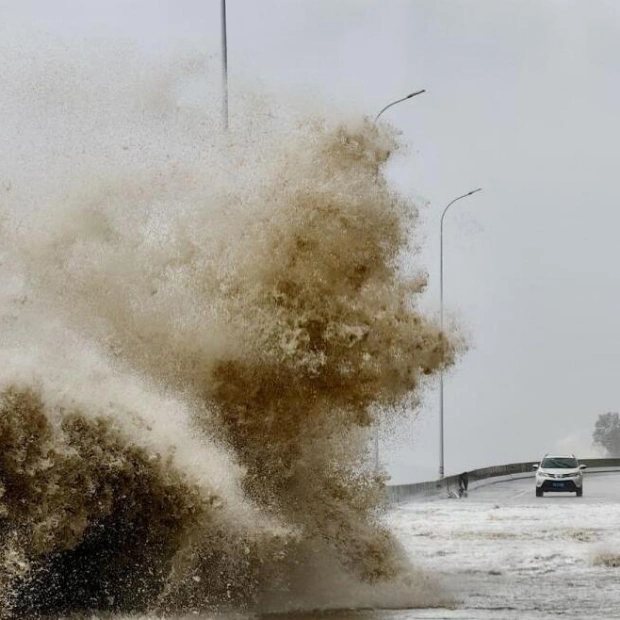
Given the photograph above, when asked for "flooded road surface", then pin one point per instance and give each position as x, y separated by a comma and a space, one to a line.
505, 553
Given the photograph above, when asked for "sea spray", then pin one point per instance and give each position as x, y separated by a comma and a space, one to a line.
198, 332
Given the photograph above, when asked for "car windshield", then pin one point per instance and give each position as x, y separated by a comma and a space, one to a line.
559, 462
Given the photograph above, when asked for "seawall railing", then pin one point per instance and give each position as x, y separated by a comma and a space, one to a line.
485, 475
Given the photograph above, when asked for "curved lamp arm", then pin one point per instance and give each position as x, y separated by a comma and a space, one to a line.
389, 105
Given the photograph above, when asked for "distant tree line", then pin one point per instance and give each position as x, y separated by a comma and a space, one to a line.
607, 433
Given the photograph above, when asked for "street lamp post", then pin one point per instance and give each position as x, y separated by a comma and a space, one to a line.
224, 68
389, 105
443, 215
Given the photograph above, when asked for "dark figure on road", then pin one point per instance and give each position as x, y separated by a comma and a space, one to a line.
463, 483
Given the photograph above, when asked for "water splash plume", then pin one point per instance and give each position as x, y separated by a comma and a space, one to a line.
197, 333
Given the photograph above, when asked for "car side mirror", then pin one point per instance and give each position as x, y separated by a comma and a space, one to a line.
583, 467
534, 465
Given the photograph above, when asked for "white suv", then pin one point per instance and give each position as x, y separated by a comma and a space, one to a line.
559, 473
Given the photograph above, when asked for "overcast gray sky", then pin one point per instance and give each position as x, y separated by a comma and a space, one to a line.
522, 99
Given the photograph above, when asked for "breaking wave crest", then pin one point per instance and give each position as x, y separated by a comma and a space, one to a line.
198, 332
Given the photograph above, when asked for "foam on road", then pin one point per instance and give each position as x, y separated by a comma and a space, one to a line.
505, 553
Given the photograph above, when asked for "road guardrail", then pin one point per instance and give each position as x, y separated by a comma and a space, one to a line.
486, 475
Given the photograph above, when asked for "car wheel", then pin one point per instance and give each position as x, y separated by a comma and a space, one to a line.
579, 492
539, 492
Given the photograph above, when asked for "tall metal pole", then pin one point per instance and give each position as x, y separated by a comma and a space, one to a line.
224, 68
389, 105
441, 451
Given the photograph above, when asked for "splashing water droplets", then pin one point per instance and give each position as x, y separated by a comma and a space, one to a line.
197, 332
